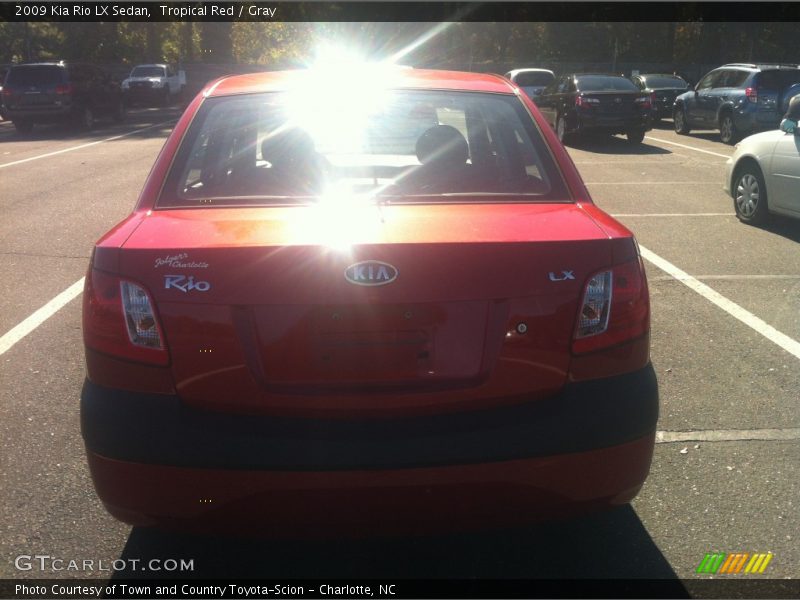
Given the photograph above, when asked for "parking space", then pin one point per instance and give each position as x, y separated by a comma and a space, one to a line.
717, 375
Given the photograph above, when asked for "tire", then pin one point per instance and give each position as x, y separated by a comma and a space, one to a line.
120, 112
728, 132
166, 98
635, 136
750, 195
86, 118
561, 130
681, 124
23, 126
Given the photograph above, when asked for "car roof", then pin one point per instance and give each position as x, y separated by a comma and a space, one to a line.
404, 77
657, 75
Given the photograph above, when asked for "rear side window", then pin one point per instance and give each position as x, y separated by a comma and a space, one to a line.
35, 75
778, 79
601, 83
534, 79
732, 79
270, 149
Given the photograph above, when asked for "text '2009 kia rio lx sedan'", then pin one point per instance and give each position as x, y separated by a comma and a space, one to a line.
394, 309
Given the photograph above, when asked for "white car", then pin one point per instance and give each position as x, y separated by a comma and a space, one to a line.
763, 176
159, 82
532, 81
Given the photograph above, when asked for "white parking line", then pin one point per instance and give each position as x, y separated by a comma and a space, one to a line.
616, 215
688, 147
727, 277
40, 316
726, 435
768, 331
71, 148
652, 183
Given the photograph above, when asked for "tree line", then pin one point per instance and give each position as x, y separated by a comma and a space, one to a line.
451, 45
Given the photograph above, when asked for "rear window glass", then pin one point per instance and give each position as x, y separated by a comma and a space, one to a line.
602, 83
533, 79
665, 82
776, 80
35, 75
148, 72
732, 78
276, 148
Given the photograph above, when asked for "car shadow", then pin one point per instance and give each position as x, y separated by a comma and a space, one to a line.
614, 145
610, 545
136, 118
784, 227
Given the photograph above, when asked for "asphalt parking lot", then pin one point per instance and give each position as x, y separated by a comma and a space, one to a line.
726, 472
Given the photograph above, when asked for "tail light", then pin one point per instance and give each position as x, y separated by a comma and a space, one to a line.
752, 94
584, 101
615, 308
62, 89
7, 92
646, 101
119, 318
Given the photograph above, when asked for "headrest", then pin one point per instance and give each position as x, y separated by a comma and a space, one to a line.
442, 144
287, 147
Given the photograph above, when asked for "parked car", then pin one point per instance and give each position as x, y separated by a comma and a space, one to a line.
663, 89
738, 99
532, 81
583, 103
763, 174
297, 334
60, 91
3, 73
157, 82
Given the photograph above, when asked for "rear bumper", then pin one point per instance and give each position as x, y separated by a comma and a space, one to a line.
155, 461
44, 114
610, 124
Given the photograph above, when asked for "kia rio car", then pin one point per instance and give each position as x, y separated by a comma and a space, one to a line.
393, 310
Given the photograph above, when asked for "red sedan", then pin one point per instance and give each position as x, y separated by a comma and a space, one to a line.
384, 305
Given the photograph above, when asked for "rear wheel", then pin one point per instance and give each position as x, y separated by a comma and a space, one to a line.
728, 132
679, 119
120, 111
561, 130
635, 136
86, 118
750, 195
23, 126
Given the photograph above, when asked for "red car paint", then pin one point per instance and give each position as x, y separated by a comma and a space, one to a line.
257, 321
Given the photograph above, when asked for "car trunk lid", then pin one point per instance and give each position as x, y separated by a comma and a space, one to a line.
287, 310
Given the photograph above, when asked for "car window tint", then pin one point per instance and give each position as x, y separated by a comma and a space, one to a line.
709, 81
35, 75
147, 72
778, 79
732, 78
665, 82
534, 78
603, 83
258, 149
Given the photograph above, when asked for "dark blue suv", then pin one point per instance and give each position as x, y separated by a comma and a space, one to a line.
738, 99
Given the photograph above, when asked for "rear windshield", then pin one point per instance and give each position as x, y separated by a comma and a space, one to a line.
777, 80
276, 148
665, 82
534, 79
605, 83
35, 75
147, 72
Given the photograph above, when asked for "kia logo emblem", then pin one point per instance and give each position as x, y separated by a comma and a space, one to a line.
370, 273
